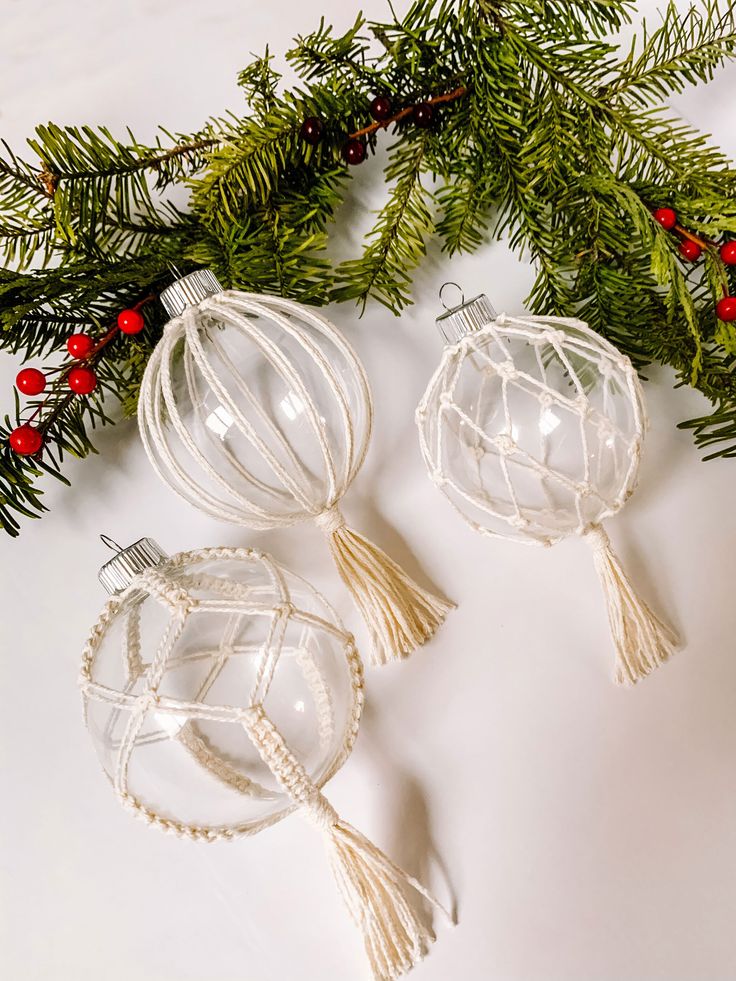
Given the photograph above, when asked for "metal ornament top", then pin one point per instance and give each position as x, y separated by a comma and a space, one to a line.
117, 574
189, 290
467, 317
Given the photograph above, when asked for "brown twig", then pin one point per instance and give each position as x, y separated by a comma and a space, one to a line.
712, 247
48, 180
457, 93
704, 243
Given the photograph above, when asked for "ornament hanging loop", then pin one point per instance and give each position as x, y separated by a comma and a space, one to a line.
111, 543
457, 287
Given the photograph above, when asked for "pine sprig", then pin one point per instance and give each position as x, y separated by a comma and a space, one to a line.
397, 242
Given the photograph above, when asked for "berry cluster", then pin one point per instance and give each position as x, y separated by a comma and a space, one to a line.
423, 115
79, 377
691, 248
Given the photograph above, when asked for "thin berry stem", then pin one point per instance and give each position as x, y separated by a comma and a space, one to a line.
457, 93
707, 244
704, 243
63, 373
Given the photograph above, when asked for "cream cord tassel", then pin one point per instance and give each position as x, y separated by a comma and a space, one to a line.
641, 639
372, 887
399, 614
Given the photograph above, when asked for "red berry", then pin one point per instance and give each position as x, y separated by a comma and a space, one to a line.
30, 381
726, 308
666, 217
82, 380
79, 345
381, 108
131, 321
312, 130
423, 114
690, 250
25, 440
354, 151
728, 253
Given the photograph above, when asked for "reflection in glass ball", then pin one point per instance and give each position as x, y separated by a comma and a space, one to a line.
532, 427
182, 653
255, 409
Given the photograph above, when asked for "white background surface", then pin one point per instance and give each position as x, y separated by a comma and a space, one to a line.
587, 832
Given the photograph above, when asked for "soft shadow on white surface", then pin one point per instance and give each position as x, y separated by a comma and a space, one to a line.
588, 833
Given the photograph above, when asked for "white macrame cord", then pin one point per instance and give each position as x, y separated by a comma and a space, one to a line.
373, 888
400, 615
642, 641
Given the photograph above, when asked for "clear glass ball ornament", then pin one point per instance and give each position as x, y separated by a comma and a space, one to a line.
176, 659
531, 426
254, 408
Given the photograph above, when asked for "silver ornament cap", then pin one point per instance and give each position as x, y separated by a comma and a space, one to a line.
117, 574
467, 317
189, 290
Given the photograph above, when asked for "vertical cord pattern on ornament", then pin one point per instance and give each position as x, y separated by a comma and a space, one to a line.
297, 482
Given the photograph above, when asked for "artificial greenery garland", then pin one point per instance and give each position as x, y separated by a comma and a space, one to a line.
543, 131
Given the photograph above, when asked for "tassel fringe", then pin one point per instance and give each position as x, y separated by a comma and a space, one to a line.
372, 887
642, 640
399, 614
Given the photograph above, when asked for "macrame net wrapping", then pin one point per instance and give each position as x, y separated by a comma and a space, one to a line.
532, 428
222, 693
257, 411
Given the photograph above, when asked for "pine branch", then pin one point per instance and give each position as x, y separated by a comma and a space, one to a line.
546, 134
397, 242
96, 181
684, 50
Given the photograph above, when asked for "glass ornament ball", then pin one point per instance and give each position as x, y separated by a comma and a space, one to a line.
253, 408
531, 426
180, 655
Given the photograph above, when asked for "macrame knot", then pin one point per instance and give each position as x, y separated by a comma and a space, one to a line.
320, 812
173, 595
330, 520
596, 537
506, 369
145, 701
505, 444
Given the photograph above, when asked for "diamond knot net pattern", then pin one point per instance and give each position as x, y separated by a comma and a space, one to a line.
373, 887
532, 427
154, 716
